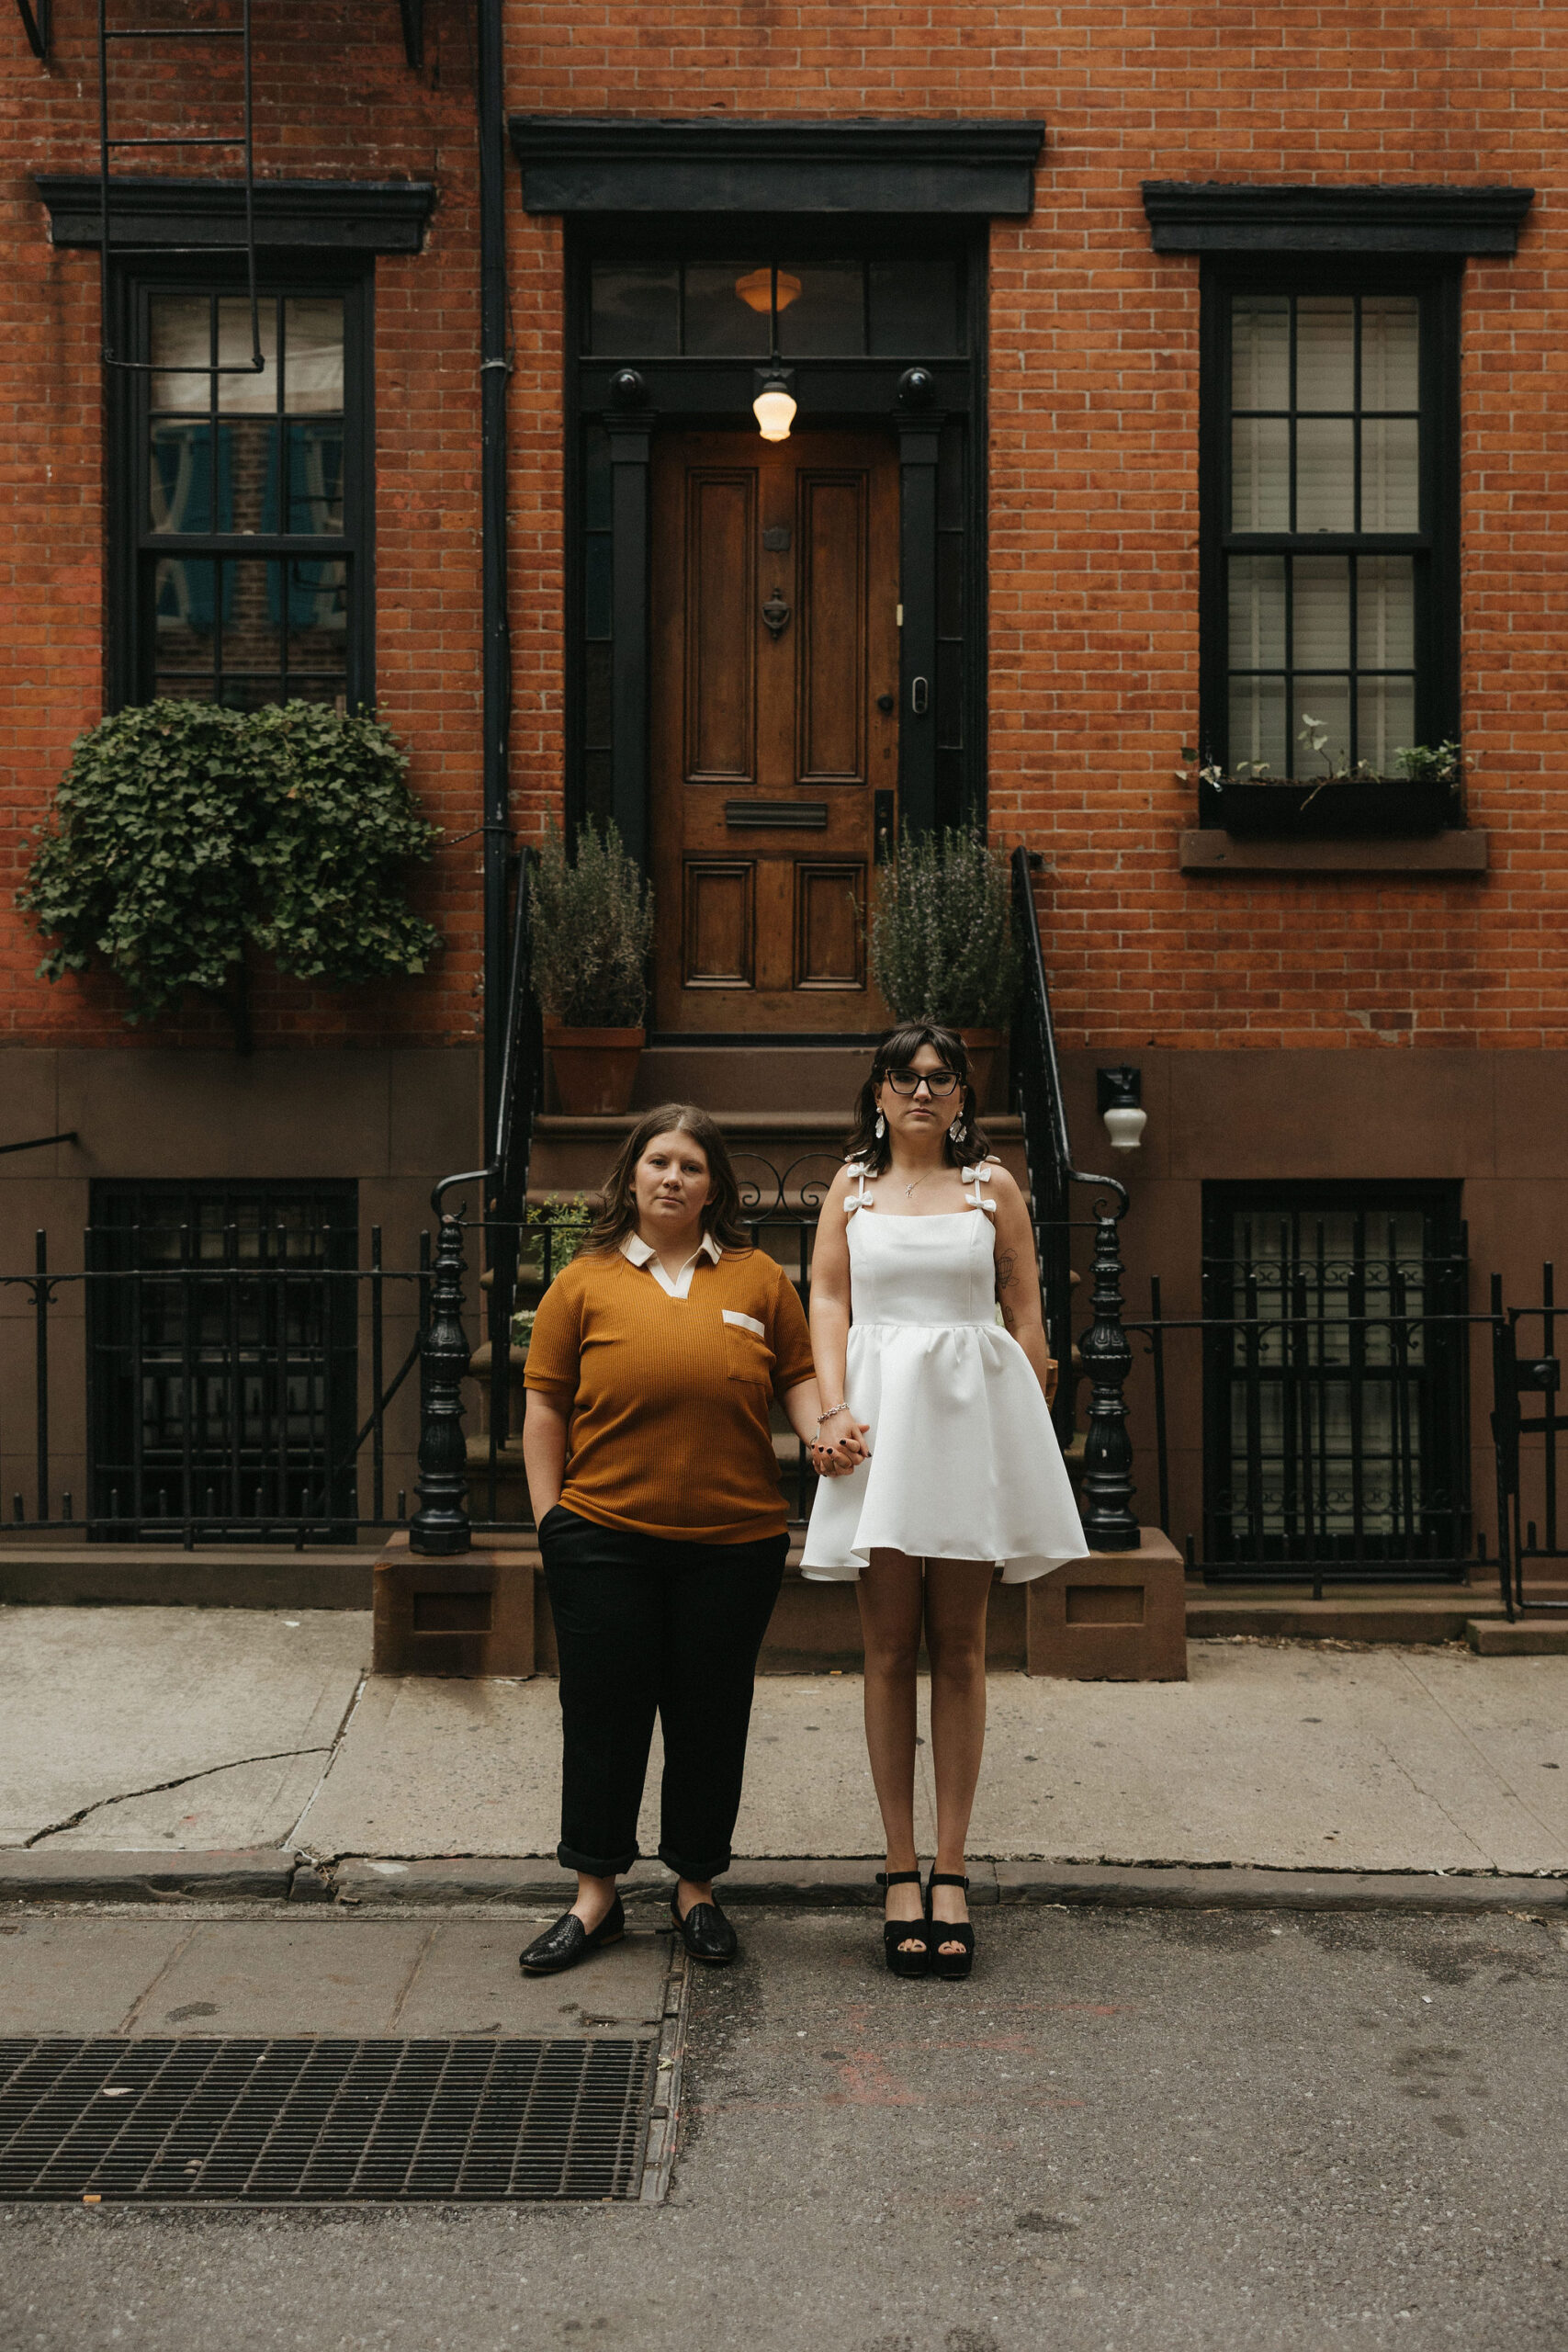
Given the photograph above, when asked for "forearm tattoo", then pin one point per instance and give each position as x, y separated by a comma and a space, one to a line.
1007, 1267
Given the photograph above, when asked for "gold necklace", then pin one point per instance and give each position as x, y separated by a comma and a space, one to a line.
918, 1182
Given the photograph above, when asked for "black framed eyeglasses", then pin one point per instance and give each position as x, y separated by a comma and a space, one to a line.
938, 1082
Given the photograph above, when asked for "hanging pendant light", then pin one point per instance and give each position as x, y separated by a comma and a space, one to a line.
774, 405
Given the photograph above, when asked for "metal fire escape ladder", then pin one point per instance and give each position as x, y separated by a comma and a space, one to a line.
243, 142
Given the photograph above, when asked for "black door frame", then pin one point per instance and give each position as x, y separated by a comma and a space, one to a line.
895, 185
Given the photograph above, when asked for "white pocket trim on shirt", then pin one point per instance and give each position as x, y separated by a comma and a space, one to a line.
745, 1322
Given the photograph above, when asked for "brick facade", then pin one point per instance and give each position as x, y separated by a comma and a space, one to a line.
1092, 472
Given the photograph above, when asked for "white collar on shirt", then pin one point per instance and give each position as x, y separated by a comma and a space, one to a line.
641, 1253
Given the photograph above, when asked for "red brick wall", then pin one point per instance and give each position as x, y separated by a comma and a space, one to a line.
335, 98
1093, 466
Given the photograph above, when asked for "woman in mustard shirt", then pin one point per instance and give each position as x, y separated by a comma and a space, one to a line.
654, 1361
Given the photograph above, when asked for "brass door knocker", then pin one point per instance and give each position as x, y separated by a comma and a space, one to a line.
775, 612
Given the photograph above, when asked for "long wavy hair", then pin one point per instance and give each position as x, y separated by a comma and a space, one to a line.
896, 1051
617, 1213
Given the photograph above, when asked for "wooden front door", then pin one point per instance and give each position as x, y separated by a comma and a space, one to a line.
774, 724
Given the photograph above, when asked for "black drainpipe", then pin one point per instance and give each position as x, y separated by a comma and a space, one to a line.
495, 367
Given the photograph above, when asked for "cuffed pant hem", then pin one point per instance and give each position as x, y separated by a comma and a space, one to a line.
595, 1865
698, 1872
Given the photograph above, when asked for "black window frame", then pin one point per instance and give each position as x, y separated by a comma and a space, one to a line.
1436, 1539
1435, 281
133, 550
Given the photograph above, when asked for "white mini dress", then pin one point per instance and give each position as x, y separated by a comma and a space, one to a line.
965, 1463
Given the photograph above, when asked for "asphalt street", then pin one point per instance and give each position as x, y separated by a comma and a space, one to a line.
1130, 2129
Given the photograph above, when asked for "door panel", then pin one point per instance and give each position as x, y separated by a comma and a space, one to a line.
831, 685
721, 562
774, 588
720, 924
829, 926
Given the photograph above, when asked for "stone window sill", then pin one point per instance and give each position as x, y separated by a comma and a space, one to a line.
1461, 851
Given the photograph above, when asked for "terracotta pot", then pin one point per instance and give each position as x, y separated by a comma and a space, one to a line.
984, 1048
595, 1069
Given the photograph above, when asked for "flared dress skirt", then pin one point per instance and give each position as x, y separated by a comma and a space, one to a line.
965, 1463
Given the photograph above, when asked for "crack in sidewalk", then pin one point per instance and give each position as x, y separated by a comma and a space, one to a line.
155, 1788
292, 1843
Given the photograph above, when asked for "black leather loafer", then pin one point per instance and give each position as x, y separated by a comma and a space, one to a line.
568, 1941
705, 1931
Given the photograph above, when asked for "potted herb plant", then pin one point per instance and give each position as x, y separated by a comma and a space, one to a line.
592, 916
1343, 800
943, 945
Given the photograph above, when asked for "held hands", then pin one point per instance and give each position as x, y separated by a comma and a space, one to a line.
836, 1458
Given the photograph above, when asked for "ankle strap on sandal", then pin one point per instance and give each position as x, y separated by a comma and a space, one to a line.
948, 1878
898, 1878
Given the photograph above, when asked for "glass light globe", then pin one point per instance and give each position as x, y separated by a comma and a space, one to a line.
1125, 1125
774, 409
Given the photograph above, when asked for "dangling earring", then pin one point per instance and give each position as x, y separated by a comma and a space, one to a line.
956, 1129
881, 1127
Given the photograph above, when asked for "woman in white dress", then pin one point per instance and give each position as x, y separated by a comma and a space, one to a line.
938, 1458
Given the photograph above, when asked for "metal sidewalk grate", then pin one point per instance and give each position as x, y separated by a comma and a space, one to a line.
320, 2122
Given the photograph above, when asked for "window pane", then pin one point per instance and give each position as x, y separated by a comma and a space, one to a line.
1390, 480
316, 624
312, 355
247, 395
1390, 351
1385, 719
248, 472
181, 338
914, 309
1258, 722
184, 595
1321, 612
828, 314
315, 477
720, 321
180, 487
1326, 474
1328, 702
1260, 461
1385, 612
635, 310
1325, 351
250, 639
1257, 612
1260, 351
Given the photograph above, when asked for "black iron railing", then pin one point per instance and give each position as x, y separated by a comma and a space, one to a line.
1525, 1363
1106, 1487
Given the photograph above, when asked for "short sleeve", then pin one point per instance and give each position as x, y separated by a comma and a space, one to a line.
793, 1361
555, 1345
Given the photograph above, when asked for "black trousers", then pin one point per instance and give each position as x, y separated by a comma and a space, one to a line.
642, 1626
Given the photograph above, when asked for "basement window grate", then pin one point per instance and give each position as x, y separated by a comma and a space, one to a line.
309, 2121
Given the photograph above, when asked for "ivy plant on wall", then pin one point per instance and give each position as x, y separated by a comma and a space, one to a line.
184, 834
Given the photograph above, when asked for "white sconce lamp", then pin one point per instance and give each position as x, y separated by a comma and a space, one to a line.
1121, 1106
774, 405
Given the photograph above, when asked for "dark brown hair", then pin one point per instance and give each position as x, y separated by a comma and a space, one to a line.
618, 1213
896, 1051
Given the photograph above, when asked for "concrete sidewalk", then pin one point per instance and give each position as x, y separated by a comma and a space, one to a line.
147, 1730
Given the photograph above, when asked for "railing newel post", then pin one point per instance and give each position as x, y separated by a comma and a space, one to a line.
1109, 1522
440, 1526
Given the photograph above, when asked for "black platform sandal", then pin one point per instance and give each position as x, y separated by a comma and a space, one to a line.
952, 1966
896, 1932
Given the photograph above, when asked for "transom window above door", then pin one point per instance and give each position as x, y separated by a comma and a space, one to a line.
1332, 609
755, 303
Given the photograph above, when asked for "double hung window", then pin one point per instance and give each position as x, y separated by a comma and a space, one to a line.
1331, 603
245, 498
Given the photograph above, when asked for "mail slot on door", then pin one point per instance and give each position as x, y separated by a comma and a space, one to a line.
776, 816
